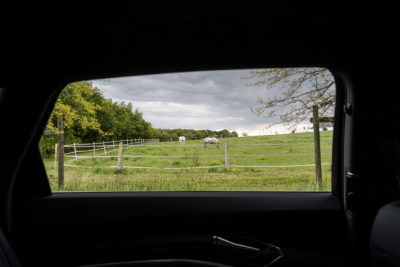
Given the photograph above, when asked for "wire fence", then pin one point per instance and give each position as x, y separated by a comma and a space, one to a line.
101, 149
103, 146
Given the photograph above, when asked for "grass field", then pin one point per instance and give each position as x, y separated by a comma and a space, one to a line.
183, 173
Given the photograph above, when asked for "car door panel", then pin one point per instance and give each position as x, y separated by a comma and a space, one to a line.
87, 228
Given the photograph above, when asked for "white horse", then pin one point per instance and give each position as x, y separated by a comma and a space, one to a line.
211, 140
182, 140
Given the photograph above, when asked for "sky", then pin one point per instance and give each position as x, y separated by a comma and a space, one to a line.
212, 100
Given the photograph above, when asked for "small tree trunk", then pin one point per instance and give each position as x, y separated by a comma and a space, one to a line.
317, 147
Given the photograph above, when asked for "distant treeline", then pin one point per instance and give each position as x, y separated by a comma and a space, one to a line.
90, 117
173, 134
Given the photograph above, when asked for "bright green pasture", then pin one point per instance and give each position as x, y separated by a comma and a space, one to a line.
179, 168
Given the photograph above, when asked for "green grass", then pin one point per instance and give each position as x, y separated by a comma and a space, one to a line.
99, 178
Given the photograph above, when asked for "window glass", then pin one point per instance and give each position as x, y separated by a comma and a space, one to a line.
233, 130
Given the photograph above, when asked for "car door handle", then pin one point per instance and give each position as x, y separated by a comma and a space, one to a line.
248, 251
219, 241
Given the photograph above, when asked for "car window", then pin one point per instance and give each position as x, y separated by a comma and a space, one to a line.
226, 130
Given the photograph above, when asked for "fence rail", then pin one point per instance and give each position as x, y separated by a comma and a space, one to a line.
127, 141
120, 144
196, 167
192, 156
93, 147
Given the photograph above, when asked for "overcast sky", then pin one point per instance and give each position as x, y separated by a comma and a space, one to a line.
213, 100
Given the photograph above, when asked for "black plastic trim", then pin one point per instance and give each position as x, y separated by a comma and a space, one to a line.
161, 262
73, 208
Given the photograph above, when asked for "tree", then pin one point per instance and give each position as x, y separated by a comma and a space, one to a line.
305, 91
76, 108
303, 88
89, 117
223, 133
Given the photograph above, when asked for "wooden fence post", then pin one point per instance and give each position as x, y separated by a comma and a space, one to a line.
113, 146
55, 155
120, 150
317, 146
94, 149
227, 156
60, 129
105, 150
76, 157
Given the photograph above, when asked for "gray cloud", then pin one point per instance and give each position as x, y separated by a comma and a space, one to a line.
196, 100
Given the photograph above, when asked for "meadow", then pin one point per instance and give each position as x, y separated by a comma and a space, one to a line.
186, 167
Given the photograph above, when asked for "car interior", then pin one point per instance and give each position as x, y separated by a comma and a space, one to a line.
356, 224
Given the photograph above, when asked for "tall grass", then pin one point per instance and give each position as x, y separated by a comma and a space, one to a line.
100, 178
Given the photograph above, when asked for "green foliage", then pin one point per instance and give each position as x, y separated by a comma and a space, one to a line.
46, 145
89, 117
77, 107
173, 134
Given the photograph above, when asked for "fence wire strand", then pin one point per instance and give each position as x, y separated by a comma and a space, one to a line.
145, 143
